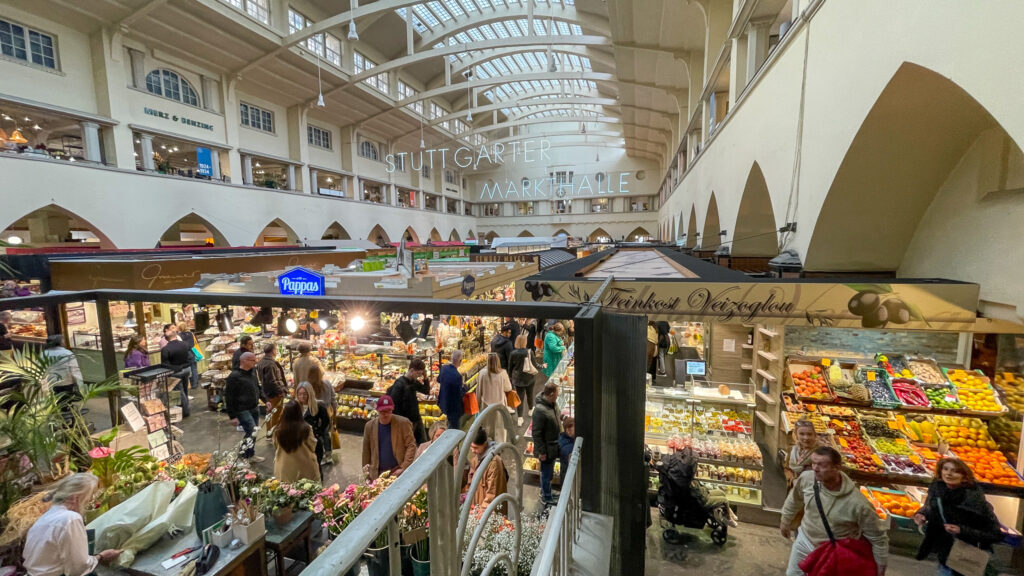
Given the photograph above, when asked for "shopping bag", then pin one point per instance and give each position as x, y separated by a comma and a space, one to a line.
964, 558
512, 399
211, 506
335, 440
843, 557
196, 354
528, 367
470, 405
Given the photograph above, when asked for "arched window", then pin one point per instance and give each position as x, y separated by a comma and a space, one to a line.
169, 85
368, 150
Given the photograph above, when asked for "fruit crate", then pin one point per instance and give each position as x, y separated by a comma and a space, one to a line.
927, 371
849, 377
799, 366
880, 427
881, 392
943, 398
906, 389
895, 365
901, 502
951, 375
1011, 390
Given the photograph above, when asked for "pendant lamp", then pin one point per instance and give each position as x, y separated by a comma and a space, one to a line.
17, 138
319, 84
352, 34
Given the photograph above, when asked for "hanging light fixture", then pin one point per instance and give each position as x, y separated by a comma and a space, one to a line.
469, 99
423, 143
17, 138
597, 157
319, 84
352, 33
583, 128
37, 127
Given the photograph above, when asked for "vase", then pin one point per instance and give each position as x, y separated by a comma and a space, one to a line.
419, 567
405, 552
251, 532
377, 563
282, 516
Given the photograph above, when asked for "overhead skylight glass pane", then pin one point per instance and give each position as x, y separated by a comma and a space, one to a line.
439, 10
480, 72
490, 68
483, 3
563, 28
586, 63
488, 32
462, 37
425, 15
520, 61
454, 7
540, 27
521, 27
532, 59
575, 29
500, 30
401, 12
500, 65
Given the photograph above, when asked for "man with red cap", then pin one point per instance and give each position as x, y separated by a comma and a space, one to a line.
389, 444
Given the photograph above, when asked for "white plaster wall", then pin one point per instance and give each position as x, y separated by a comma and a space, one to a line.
275, 143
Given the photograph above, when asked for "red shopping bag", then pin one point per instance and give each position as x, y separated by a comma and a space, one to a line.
843, 557
470, 406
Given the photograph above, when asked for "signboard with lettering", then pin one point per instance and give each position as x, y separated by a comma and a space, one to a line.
179, 119
301, 282
204, 160
468, 285
76, 316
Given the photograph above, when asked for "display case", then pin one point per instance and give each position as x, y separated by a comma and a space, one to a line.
28, 326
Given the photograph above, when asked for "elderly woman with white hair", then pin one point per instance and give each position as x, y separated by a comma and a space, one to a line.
57, 544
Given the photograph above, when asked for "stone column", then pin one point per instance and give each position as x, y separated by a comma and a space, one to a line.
313, 186
757, 47
147, 152
91, 141
215, 164
247, 170
291, 177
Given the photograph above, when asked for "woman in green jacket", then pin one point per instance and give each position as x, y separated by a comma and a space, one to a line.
554, 348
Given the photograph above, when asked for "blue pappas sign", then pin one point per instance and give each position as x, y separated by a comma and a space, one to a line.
468, 285
301, 282
204, 161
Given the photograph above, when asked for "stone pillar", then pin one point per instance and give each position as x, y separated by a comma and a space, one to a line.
392, 194
247, 170
757, 47
91, 141
291, 177
215, 164
313, 186
737, 69
147, 152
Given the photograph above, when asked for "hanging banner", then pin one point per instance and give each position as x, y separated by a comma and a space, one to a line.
204, 160
910, 306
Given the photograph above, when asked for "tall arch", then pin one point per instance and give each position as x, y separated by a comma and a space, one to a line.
435, 236
54, 225
915, 135
193, 230
599, 235
454, 236
378, 236
526, 234
755, 232
277, 233
470, 235
678, 227
709, 237
490, 236
639, 234
335, 232
691, 228
410, 235
562, 231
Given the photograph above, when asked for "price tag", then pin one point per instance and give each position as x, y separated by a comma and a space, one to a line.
826, 362
871, 376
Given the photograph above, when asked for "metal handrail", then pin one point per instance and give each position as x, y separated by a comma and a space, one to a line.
430, 468
555, 556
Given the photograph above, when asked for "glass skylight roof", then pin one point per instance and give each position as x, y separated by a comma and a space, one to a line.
433, 13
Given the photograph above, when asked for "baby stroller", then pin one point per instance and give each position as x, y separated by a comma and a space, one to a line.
682, 501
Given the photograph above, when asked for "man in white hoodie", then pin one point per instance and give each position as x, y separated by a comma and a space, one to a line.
849, 513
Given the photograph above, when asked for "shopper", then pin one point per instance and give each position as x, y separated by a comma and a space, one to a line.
664, 339
67, 375
6, 344
302, 364
955, 509
545, 439
566, 442
389, 444
514, 328
245, 344
436, 429
295, 458
848, 513
652, 351
273, 385
176, 357
325, 393
241, 402
403, 392
136, 354
554, 348
800, 454
502, 345
519, 363
495, 478
316, 415
169, 330
531, 336
492, 385
189, 339
451, 389
57, 542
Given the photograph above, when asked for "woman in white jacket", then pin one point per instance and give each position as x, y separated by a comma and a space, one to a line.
492, 384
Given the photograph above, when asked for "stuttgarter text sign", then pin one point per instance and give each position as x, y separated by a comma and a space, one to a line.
528, 151
301, 282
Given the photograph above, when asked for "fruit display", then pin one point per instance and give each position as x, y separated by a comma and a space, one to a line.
895, 503
928, 456
880, 427
926, 372
857, 454
737, 450
531, 464
968, 379
1006, 433
713, 418
894, 446
877, 383
473, 365
729, 474
988, 465
959, 431
919, 428
895, 365
810, 383
879, 509
980, 400
819, 423
943, 398
356, 413
1011, 386
910, 394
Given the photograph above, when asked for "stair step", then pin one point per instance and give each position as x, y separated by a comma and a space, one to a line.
592, 554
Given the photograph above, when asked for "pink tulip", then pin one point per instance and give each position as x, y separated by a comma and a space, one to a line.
100, 452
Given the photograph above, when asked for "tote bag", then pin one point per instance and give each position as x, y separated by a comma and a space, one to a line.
964, 558
528, 367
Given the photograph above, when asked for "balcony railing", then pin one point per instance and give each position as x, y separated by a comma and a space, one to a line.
561, 533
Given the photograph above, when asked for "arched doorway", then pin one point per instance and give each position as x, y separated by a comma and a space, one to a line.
378, 236
490, 236
335, 232
912, 143
755, 232
561, 232
454, 236
691, 229
410, 235
470, 235
526, 234
53, 226
435, 236
640, 234
600, 236
193, 230
277, 233
710, 238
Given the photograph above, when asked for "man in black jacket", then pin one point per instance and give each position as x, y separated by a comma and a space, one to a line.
502, 345
177, 357
403, 392
245, 344
273, 385
241, 402
545, 438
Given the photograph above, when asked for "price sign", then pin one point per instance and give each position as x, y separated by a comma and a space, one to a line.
826, 362
871, 376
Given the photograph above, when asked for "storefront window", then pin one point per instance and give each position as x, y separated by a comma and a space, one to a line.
524, 209
432, 202
561, 207
640, 204
600, 205
330, 185
407, 198
467, 208
451, 206
492, 209
375, 194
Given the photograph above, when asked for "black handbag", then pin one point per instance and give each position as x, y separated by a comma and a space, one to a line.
211, 506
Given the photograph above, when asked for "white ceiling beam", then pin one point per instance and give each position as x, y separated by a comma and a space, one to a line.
138, 14
527, 122
523, 102
590, 23
442, 90
581, 51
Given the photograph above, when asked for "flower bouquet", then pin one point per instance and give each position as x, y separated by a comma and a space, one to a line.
499, 536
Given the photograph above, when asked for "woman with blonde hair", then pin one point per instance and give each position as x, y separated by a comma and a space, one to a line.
492, 384
315, 413
521, 379
57, 543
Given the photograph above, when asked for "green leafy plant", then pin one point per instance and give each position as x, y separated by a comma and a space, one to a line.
33, 421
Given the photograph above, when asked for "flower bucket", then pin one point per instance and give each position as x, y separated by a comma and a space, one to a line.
249, 533
419, 567
377, 563
282, 516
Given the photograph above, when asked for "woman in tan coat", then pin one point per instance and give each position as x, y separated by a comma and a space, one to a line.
295, 458
492, 384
